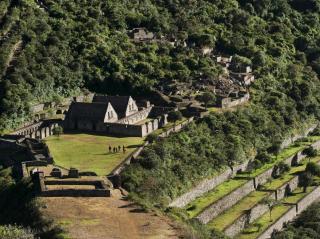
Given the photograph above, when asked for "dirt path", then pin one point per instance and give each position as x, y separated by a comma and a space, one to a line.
104, 218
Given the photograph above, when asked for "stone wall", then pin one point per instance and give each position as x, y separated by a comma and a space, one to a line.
291, 213
294, 138
226, 202
287, 188
259, 209
207, 185
241, 222
101, 189
229, 102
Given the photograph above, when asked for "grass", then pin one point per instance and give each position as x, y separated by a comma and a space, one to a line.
90, 152
259, 226
284, 154
225, 219
253, 230
197, 206
291, 174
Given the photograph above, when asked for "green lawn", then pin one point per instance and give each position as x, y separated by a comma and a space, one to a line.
197, 206
225, 219
90, 152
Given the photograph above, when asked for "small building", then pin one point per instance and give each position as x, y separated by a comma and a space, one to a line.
141, 34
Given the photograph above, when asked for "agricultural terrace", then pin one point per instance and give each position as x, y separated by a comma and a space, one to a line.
88, 152
197, 206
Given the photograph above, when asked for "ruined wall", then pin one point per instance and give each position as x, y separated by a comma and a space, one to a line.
228, 102
226, 202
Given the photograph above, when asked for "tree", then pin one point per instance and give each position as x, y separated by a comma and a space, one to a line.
58, 130
152, 137
174, 116
306, 180
206, 98
310, 152
271, 203
313, 168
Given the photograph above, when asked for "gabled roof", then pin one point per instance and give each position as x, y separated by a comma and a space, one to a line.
119, 103
90, 111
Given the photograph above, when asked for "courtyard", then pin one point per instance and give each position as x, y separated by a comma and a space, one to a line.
90, 153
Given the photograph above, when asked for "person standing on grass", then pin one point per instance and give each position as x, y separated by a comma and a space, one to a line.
119, 148
123, 149
110, 149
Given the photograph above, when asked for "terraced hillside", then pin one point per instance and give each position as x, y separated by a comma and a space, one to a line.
238, 207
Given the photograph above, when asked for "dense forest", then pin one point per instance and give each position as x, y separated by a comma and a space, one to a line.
51, 49
306, 226
54, 48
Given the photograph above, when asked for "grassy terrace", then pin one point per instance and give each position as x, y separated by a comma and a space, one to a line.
260, 225
225, 219
90, 152
198, 205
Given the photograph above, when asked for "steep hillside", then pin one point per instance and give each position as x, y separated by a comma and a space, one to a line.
68, 45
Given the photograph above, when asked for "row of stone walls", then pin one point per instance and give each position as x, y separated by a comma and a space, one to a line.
207, 185
259, 209
226, 202
292, 213
240, 223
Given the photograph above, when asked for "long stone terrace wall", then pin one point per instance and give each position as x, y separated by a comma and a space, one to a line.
226, 202
294, 138
207, 185
291, 213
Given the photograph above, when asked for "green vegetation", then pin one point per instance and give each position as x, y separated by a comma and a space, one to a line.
263, 222
90, 152
20, 214
256, 228
305, 226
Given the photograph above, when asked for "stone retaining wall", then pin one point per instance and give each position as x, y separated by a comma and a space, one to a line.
207, 185
286, 188
291, 213
226, 202
241, 222
291, 140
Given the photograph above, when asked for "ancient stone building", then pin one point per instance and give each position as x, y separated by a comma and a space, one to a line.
118, 115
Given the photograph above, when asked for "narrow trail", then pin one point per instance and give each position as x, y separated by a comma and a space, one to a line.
13, 57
